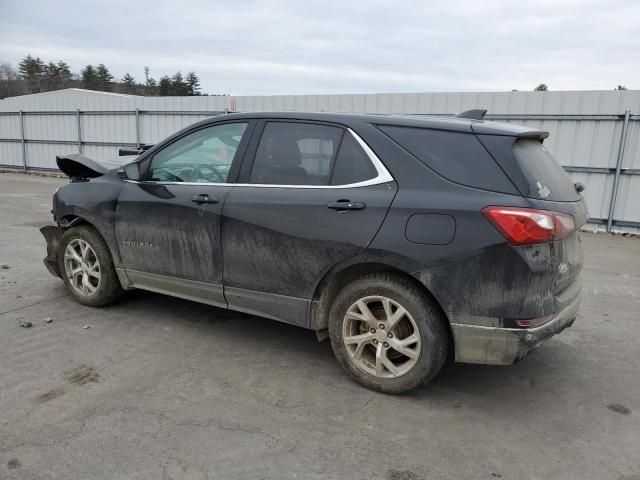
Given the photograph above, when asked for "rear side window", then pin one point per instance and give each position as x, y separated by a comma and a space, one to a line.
352, 164
456, 156
547, 180
295, 154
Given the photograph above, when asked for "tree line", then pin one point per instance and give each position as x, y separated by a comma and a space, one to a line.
544, 88
34, 76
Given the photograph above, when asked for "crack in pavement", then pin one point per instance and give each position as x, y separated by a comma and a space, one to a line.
34, 304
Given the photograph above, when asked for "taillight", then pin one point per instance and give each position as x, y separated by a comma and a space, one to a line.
524, 226
565, 225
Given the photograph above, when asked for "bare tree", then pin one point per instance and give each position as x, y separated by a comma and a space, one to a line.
10, 82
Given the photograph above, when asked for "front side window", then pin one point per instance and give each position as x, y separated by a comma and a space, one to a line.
204, 156
295, 154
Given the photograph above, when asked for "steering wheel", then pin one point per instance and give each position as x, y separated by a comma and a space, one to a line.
205, 173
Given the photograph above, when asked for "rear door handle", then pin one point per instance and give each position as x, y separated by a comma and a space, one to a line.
204, 198
344, 205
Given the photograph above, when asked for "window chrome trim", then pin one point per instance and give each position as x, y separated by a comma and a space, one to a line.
383, 175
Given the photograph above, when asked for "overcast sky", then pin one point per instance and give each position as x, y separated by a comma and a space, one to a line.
246, 47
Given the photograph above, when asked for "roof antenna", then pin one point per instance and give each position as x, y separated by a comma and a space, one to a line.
474, 114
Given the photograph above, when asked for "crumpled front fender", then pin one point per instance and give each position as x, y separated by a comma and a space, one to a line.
53, 236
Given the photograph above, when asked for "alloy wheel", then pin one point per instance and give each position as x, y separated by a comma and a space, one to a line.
381, 337
82, 267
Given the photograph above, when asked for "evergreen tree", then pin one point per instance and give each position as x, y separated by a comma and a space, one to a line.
89, 77
51, 77
151, 87
104, 78
64, 73
193, 84
128, 83
31, 69
34, 76
178, 86
165, 86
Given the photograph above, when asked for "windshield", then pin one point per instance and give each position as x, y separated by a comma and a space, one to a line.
547, 179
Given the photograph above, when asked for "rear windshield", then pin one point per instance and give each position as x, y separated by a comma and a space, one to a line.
457, 156
547, 180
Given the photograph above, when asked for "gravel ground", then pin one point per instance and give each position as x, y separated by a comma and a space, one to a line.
158, 387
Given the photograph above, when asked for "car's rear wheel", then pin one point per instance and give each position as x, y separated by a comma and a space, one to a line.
388, 333
87, 268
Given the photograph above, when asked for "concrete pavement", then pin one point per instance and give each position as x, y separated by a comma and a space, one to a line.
161, 388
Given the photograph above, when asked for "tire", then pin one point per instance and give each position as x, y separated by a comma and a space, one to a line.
99, 290
368, 354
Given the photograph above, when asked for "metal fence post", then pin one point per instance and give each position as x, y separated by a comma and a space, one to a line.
616, 178
24, 147
138, 127
79, 131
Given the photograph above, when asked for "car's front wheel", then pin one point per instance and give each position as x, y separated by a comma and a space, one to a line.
87, 268
388, 333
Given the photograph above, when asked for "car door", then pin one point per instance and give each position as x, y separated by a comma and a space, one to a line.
310, 196
168, 224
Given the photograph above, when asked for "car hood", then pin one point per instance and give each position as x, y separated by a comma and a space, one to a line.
77, 165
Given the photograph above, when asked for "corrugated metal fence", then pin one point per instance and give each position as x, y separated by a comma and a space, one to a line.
594, 135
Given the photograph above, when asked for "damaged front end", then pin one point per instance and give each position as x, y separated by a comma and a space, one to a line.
80, 169
53, 236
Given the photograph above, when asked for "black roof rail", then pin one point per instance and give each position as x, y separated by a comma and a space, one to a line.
473, 114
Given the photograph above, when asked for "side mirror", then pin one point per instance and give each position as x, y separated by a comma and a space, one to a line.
130, 171
579, 187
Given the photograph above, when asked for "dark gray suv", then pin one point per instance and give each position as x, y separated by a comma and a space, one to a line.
406, 241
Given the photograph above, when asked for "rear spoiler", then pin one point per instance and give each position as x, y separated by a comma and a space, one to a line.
508, 129
123, 152
496, 128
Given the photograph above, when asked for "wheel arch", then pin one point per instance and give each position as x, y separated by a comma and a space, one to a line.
331, 284
74, 219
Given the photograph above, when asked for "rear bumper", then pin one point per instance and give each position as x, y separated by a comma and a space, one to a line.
53, 236
504, 346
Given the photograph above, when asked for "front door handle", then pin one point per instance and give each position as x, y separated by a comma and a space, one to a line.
344, 205
204, 198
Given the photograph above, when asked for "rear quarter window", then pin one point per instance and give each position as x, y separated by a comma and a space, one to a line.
456, 156
352, 164
547, 179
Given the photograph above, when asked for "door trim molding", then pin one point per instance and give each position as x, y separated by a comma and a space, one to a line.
209, 293
283, 308
383, 175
